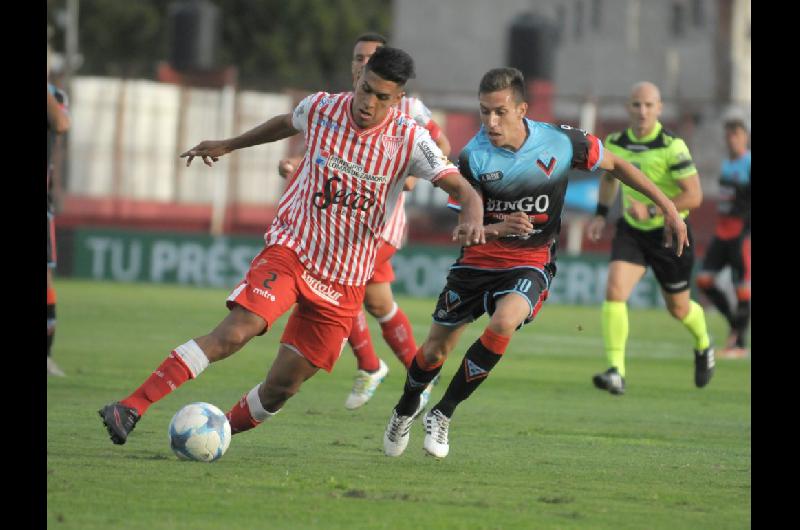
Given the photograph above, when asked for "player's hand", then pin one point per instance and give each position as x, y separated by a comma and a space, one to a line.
514, 224
286, 168
209, 151
469, 234
675, 231
595, 228
638, 210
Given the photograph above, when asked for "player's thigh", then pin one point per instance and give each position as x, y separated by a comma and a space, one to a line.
622, 278
515, 298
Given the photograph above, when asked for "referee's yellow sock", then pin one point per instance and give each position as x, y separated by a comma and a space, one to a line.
695, 322
615, 333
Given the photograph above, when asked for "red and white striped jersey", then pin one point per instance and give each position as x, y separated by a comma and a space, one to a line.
334, 212
395, 231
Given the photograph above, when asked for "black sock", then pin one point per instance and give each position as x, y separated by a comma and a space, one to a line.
475, 367
416, 381
741, 320
51, 326
720, 301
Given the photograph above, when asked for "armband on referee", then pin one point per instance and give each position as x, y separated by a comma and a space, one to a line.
602, 210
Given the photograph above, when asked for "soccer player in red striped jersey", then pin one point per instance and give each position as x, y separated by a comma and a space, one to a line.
378, 299
320, 248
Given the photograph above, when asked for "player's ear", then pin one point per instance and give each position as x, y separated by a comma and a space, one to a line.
522, 108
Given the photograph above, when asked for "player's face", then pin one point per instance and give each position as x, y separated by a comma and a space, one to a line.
644, 108
361, 54
502, 116
736, 139
373, 98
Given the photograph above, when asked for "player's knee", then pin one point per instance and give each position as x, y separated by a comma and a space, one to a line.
434, 353
504, 324
678, 310
704, 282
379, 307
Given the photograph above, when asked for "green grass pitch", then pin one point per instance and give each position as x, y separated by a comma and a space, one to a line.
537, 446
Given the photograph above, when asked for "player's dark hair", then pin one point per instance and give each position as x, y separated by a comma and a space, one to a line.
498, 79
732, 124
391, 64
372, 37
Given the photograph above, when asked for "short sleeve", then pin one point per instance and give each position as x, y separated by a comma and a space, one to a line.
679, 160
427, 160
465, 168
300, 114
587, 149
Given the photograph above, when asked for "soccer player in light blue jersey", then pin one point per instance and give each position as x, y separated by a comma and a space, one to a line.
519, 167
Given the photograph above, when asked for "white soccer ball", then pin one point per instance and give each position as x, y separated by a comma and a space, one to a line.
200, 432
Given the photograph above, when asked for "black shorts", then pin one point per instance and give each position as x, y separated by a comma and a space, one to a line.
729, 252
51, 241
646, 248
470, 292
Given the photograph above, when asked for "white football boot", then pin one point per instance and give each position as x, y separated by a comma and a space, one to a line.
365, 386
436, 427
395, 438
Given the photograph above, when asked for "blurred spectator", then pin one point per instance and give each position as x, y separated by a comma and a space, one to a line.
57, 124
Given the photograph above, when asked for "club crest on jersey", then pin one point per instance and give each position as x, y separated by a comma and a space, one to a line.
391, 144
451, 300
547, 167
323, 157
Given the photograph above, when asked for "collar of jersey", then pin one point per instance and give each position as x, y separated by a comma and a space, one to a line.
647, 138
354, 125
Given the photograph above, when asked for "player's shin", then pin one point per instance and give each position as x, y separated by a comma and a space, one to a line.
185, 362
248, 412
361, 342
419, 374
479, 360
397, 333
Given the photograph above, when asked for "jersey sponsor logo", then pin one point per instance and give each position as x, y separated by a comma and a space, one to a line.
547, 167
472, 371
391, 144
324, 290
350, 199
264, 293
490, 177
329, 124
349, 168
429, 156
525, 204
324, 102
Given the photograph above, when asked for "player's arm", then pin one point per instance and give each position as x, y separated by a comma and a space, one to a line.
442, 141
690, 197
609, 186
272, 130
56, 116
470, 229
628, 174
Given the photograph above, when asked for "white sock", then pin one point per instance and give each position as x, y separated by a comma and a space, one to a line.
193, 357
257, 410
389, 315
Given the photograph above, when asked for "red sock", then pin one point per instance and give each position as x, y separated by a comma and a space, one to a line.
170, 374
361, 342
239, 417
399, 336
